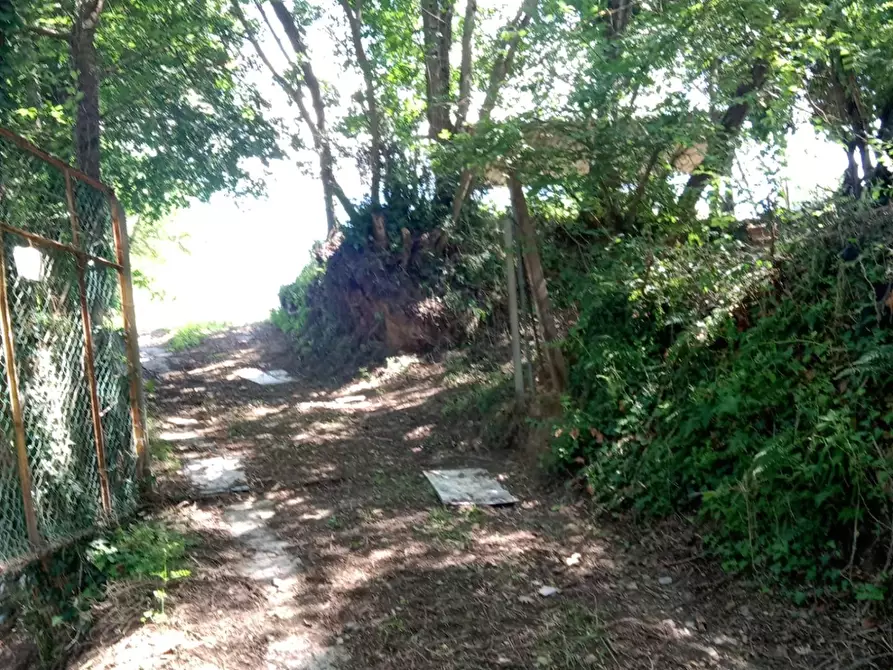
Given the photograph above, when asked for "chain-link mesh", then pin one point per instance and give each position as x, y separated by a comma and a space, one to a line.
49, 351
113, 387
48, 289
32, 195
13, 533
95, 220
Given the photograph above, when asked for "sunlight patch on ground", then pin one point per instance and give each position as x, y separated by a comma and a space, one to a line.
179, 436
419, 432
216, 367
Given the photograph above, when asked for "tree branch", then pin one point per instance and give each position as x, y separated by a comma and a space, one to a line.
729, 127
320, 141
40, 31
260, 8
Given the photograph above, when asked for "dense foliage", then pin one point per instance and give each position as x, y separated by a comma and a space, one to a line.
148, 95
727, 354
718, 335
749, 388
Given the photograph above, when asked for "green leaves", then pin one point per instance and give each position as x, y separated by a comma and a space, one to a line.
179, 117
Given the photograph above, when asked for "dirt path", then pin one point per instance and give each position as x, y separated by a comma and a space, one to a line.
339, 556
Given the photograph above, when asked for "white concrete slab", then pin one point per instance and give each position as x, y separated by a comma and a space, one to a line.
264, 378
216, 475
468, 486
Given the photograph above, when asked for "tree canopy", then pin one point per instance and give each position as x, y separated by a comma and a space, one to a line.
151, 96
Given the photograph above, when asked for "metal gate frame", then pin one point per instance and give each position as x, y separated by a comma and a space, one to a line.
121, 264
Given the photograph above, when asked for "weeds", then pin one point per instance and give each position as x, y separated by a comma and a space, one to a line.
54, 604
193, 334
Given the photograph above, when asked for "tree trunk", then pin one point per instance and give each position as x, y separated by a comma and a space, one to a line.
355, 20
321, 138
511, 281
317, 128
437, 32
465, 66
501, 69
619, 14
87, 127
882, 175
722, 147
555, 364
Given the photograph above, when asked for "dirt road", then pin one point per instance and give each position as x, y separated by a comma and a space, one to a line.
339, 555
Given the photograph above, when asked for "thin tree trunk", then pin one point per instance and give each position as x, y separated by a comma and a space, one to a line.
501, 69
87, 128
355, 20
530, 248
632, 210
465, 66
437, 33
511, 280
619, 14
729, 128
525, 320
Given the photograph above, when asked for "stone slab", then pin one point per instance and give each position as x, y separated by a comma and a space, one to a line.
468, 486
262, 378
216, 475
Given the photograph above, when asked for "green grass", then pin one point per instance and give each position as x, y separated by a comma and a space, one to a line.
572, 637
452, 527
193, 334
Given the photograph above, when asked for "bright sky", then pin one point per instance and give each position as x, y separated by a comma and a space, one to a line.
240, 251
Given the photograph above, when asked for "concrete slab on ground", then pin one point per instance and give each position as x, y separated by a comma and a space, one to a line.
468, 486
264, 378
216, 475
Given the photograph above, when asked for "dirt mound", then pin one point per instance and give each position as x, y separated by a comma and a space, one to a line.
376, 297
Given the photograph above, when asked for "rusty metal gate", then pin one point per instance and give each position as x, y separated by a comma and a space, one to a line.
72, 445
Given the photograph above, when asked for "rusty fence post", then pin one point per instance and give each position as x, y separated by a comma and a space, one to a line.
89, 362
137, 397
16, 406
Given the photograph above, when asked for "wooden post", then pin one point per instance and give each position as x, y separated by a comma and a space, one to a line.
511, 282
525, 316
89, 362
537, 279
137, 397
15, 404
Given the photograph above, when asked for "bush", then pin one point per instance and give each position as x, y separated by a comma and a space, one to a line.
291, 316
705, 380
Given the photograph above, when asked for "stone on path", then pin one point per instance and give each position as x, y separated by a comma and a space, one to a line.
469, 486
270, 559
264, 378
216, 475
154, 359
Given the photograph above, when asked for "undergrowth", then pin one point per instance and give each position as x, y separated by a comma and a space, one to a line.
54, 601
754, 392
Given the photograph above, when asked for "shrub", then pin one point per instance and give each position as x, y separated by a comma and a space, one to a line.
707, 381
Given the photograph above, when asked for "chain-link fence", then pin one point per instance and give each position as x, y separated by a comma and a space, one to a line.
72, 445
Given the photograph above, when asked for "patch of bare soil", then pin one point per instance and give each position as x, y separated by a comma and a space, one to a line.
386, 577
